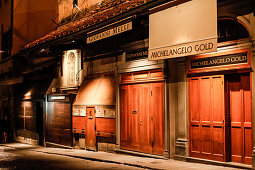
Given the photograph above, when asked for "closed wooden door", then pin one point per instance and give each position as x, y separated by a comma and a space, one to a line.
207, 115
91, 128
142, 118
240, 118
58, 125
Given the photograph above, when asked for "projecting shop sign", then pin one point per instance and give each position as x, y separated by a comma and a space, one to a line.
184, 29
110, 32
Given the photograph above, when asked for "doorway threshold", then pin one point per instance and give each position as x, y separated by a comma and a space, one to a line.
134, 153
225, 164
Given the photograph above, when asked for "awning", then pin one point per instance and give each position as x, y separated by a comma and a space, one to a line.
96, 91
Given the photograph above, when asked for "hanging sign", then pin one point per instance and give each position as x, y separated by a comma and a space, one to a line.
182, 29
110, 32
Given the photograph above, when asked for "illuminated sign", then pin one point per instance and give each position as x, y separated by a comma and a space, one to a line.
219, 61
110, 32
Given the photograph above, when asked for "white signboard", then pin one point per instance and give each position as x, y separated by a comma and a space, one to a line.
110, 32
186, 29
57, 97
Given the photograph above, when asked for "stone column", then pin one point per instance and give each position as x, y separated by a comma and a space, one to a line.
172, 104
166, 108
181, 146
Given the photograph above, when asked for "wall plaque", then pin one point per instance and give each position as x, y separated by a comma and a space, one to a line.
138, 54
219, 60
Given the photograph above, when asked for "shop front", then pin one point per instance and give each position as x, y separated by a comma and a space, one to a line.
142, 112
29, 111
58, 124
220, 102
93, 119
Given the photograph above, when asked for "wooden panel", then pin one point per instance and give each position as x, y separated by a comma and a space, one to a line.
218, 143
157, 74
205, 117
142, 117
194, 99
236, 112
142, 76
240, 109
206, 103
247, 146
247, 128
134, 121
29, 116
236, 144
195, 149
59, 123
91, 128
206, 141
106, 127
218, 117
205, 99
124, 103
146, 125
79, 124
157, 118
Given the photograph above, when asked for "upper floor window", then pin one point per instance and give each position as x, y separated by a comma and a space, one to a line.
71, 68
75, 3
229, 30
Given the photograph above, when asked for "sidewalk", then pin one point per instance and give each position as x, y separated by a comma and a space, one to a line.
141, 162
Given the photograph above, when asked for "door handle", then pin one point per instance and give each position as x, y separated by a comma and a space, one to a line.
140, 123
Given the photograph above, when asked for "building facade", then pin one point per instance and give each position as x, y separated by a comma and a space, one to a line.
20, 24
128, 81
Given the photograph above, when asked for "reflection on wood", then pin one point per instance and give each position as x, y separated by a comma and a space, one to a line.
59, 123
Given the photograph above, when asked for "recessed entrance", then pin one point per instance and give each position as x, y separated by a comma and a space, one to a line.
220, 117
239, 115
142, 118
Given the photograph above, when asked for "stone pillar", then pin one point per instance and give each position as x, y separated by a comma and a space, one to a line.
166, 108
181, 146
172, 104
117, 114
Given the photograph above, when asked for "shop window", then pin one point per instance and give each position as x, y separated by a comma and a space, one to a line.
230, 30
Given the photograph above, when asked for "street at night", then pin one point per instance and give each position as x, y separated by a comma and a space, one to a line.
127, 84
23, 156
